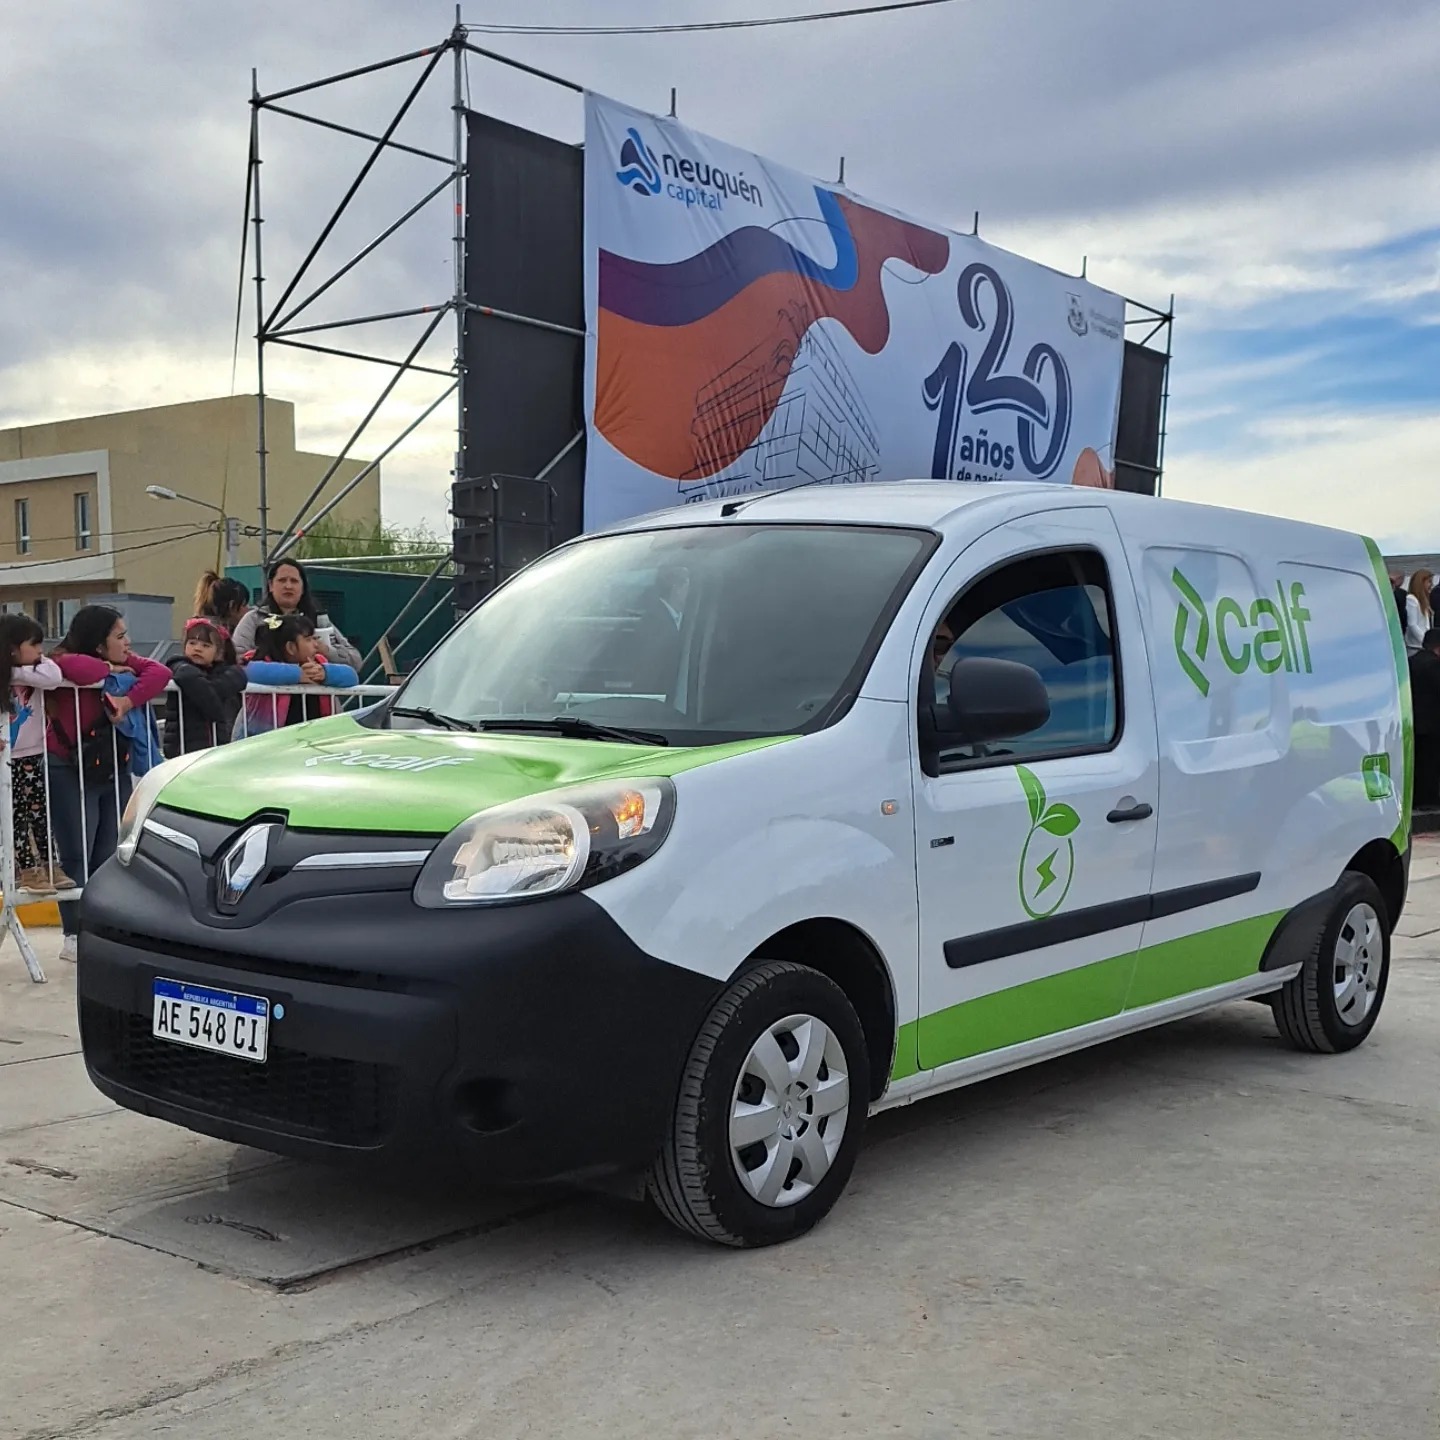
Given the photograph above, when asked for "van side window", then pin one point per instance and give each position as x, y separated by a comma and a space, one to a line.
1053, 613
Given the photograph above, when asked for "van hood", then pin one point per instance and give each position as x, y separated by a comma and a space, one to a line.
336, 774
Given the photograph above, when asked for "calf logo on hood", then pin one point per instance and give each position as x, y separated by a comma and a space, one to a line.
379, 760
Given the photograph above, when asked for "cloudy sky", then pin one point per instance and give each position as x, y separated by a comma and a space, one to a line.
1275, 165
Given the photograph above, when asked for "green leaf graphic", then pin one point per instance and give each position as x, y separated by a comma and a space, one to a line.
1060, 820
1034, 793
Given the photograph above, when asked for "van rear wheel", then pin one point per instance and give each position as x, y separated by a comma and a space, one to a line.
1334, 1002
769, 1112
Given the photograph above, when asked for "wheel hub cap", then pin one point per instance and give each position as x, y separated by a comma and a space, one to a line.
1358, 961
789, 1110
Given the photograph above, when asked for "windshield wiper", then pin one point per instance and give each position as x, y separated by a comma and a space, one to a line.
575, 727
434, 717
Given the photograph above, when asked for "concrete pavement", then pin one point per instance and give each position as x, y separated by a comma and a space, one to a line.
1189, 1233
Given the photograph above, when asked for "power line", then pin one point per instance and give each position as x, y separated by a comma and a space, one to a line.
8, 569
137, 530
751, 24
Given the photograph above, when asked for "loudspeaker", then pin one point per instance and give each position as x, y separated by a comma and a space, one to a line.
502, 523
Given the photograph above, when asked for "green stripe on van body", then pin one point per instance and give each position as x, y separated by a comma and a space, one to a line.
336, 774
1401, 838
1085, 995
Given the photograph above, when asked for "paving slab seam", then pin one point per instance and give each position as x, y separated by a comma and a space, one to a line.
59, 1120
141, 1199
33, 1059
235, 1369
95, 1227
145, 1199
347, 1269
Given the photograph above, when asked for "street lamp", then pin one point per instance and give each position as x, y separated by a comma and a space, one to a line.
231, 527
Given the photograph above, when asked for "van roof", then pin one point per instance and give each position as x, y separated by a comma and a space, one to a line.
932, 504
882, 502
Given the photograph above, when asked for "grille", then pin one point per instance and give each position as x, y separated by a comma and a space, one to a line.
345, 1102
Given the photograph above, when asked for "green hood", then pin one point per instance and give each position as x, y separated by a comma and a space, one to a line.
338, 775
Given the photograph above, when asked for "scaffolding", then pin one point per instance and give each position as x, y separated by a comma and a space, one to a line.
802, 443
283, 307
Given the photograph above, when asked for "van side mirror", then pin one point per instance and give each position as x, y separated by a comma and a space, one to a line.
992, 700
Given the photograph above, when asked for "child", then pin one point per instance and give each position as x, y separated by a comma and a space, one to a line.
24, 672
209, 681
287, 653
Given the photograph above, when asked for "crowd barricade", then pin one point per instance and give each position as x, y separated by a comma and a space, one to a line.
147, 747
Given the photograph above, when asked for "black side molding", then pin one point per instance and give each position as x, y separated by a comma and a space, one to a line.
1092, 920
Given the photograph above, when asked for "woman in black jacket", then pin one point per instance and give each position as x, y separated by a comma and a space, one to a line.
210, 685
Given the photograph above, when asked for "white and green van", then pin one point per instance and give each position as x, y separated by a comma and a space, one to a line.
705, 838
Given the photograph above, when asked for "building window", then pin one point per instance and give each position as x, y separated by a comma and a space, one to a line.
42, 615
22, 526
82, 520
67, 609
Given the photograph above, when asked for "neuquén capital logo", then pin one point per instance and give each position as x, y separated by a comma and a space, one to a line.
1269, 635
691, 182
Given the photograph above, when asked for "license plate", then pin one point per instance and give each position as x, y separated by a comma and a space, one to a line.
217, 1020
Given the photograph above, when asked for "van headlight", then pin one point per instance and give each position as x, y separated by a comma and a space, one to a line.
564, 840
142, 801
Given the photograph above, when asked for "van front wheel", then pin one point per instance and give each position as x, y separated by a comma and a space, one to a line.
769, 1111
1334, 1002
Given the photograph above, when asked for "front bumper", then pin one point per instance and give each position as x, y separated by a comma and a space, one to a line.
520, 1044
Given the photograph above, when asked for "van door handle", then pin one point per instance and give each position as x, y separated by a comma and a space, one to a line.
1135, 810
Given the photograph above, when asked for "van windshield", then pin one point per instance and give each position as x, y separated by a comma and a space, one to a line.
697, 635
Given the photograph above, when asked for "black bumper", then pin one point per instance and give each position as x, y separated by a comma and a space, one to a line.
519, 1044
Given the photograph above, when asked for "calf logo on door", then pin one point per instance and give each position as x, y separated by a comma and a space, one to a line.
1047, 860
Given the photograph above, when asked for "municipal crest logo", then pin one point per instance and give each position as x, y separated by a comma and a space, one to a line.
1078, 323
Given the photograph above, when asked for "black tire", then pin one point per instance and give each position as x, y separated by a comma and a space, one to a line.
1305, 1010
695, 1182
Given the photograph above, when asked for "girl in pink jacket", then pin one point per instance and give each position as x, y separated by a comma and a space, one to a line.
89, 763
24, 675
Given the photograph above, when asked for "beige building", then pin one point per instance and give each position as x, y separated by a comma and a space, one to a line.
76, 523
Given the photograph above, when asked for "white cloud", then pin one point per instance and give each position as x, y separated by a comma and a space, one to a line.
1259, 160
1343, 474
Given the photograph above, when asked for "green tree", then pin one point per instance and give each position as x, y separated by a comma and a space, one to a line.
332, 538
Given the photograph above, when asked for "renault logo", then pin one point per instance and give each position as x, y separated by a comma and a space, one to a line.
244, 863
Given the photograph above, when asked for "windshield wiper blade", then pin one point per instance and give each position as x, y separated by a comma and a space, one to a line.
424, 712
575, 727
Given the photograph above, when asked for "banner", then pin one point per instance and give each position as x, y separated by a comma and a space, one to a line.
748, 327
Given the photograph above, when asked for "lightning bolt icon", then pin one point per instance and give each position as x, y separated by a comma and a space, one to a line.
1046, 871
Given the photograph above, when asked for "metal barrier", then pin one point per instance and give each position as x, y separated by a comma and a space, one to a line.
97, 808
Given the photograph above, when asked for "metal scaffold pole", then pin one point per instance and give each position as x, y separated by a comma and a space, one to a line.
261, 451
457, 40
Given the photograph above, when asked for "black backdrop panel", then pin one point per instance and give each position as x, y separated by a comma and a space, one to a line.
524, 386
1137, 433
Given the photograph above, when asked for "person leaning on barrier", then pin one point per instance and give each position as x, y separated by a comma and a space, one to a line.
287, 592
87, 761
202, 709
287, 653
25, 674
1425, 699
